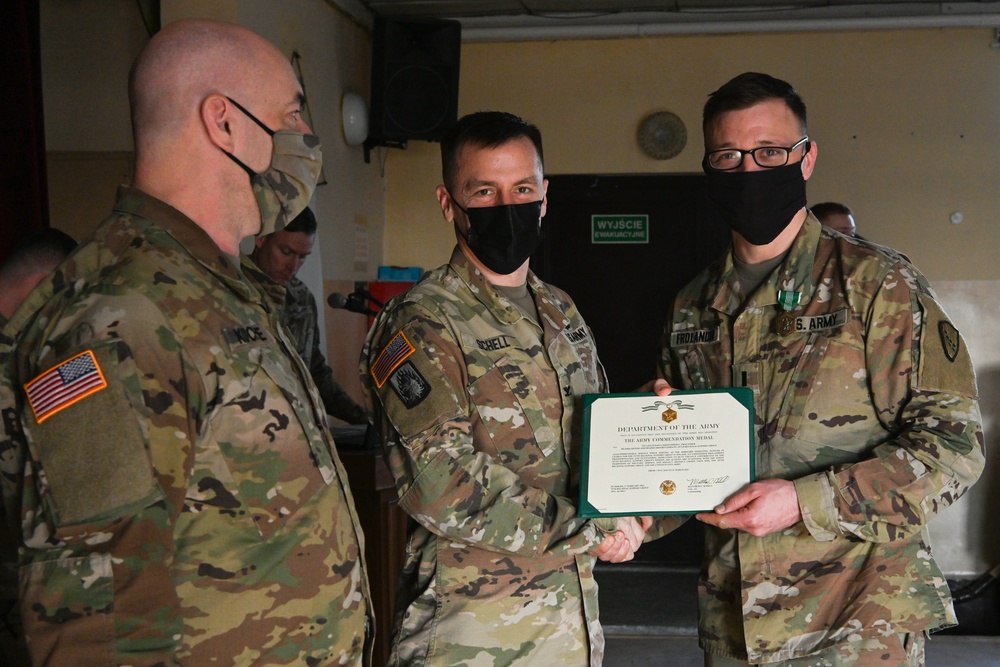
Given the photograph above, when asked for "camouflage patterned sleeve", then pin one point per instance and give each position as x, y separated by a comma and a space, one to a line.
922, 384
448, 481
107, 477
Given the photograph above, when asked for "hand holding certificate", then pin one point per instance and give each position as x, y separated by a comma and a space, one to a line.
648, 454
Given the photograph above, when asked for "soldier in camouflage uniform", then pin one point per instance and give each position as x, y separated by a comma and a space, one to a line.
475, 378
280, 256
866, 411
178, 498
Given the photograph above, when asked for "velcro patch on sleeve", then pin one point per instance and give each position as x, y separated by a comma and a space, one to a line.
63, 385
945, 364
392, 355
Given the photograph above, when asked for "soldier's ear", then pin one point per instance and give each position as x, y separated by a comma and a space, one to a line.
444, 199
216, 114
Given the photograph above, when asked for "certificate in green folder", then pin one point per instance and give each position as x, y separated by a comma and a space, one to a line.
645, 454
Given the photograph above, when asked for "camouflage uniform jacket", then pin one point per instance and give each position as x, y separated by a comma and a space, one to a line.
179, 498
300, 318
870, 405
478, 408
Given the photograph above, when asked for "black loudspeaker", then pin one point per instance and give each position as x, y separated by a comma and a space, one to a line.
414, 80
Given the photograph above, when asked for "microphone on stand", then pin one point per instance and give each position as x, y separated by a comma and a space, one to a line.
353, 302
361, 292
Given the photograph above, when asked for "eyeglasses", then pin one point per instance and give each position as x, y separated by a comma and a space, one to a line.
768, 157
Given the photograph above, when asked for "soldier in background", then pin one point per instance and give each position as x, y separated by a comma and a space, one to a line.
867, 416
24, 268
280, 256
836, 216
28, 264
475, 377
166, 464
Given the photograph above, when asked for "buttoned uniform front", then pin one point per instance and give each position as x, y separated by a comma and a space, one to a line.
193, 509
479, 409
867, 400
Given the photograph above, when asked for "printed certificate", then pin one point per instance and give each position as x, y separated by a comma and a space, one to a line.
678, 454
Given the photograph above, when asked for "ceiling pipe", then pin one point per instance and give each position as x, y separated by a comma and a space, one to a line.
548, 32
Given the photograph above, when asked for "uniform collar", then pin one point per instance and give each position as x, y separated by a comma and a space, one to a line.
190, 236
794, 274
499, 305
194, 239
268, 285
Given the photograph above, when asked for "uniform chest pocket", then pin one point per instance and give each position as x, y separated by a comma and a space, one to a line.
255, 461
694, 369
511, 410
826, 398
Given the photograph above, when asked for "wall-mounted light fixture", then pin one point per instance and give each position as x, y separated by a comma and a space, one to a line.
354, 114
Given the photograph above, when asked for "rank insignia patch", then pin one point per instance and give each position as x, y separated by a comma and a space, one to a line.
392, 355
65, 384
949, 339
410, 385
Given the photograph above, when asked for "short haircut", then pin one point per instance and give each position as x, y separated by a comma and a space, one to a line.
484, 129
304, 222
748, 89
826, 208
41, 251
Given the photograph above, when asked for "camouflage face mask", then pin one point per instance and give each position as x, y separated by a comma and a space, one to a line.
285, 188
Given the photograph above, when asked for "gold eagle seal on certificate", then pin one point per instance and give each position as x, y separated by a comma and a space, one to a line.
670, 409
667, 487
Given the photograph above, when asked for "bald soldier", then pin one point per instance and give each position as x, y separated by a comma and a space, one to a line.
177, 496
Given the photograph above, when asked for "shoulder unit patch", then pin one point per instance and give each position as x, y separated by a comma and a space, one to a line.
410, 385
949, 339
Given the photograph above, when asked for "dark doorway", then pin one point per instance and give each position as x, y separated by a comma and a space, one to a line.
23, 188
624, 290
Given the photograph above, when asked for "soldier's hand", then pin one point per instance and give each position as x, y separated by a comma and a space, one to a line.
760, 508
620, 546
658, 386
615, 548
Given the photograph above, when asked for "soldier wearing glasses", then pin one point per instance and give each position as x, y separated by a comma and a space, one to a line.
867, 420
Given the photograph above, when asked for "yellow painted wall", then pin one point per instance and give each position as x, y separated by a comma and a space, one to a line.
907, 123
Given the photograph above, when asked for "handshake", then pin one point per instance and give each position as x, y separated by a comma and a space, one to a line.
621, 545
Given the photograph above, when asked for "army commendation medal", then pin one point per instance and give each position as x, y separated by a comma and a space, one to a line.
784, 324
645, 454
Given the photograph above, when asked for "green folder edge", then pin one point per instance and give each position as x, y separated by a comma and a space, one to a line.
742, 394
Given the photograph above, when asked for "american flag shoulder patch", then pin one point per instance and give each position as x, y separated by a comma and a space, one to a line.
63, 385
392, 355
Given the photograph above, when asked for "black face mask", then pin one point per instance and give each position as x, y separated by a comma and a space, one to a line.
503, 237
758, 205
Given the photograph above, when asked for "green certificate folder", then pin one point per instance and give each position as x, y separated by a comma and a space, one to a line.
645, 454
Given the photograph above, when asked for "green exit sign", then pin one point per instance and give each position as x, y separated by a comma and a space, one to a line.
619, 229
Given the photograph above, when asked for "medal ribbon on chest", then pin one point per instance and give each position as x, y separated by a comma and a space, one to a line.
784, 324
